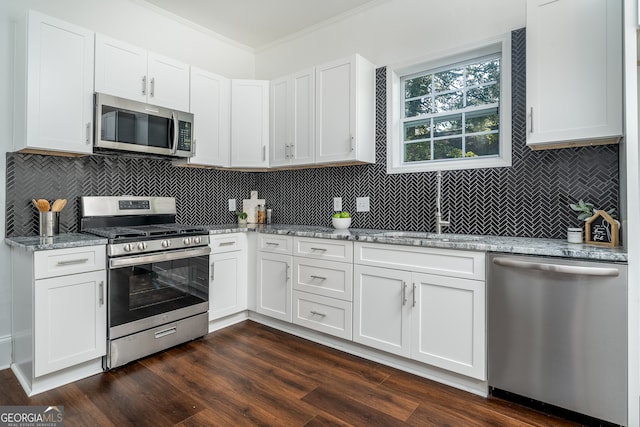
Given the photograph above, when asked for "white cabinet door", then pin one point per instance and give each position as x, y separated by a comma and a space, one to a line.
292, 119
168, 82
228, 285
250, 123
70, 321
274, 285
574, 72
130, 72
211, 108
382, 309
345, 111
59, 98
121, 69
448, 323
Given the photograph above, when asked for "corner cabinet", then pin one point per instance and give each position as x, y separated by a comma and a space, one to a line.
249, 123
574, 73
54, 87
424, 304
345, 111
210, 103
131, 72
59, 315
292, 139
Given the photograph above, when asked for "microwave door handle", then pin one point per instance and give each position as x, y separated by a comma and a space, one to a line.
174, 135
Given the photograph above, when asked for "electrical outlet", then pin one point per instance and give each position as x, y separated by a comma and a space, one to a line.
337, 203
232, 205
362, 204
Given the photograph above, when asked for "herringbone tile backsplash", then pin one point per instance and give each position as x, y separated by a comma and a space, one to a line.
529, 199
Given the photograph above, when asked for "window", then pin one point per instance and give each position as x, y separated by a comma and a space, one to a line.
451, 113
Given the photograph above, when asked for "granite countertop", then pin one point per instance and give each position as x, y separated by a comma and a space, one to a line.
502, 244
60, 241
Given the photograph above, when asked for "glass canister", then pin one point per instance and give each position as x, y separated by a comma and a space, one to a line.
261, 214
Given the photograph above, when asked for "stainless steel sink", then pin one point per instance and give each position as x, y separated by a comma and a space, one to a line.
425, 236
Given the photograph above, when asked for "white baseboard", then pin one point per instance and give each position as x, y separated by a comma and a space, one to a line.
5, 351
232, 319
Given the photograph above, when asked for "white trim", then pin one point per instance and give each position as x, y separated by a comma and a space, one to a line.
395, 72
5, 351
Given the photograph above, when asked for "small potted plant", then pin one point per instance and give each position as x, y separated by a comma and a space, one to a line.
242, 218
585, 211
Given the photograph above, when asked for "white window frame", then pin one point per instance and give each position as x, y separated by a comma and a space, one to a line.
395, 107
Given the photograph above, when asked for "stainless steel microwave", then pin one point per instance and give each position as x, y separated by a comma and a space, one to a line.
126, 125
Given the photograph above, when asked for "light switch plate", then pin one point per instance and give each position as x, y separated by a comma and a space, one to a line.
362, 204
337, 203
232, 205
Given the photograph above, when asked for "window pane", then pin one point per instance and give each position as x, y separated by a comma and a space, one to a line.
417, 151
417, 107
447, 148
448, 102
482, 145
449, 80
482, 121
483, 72
417, 130
483, 95
418, 86
450, 125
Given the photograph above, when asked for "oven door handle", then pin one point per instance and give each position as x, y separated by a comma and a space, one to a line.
163, 256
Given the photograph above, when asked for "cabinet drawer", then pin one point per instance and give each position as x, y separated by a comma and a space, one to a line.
227, 242
443, 262
328, 278
332, 250
59, 262
275, 243
323, 314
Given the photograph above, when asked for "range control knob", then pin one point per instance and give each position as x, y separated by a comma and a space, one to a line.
196, 240
128, 247
187, 241
142, 246
166, 244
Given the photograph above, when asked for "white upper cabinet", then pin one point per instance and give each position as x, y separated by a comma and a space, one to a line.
249, 123
211, 108
56, 59
130, 72
574, 72
345, 111
292, 119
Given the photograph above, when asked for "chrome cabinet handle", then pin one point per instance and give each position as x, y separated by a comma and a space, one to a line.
288, 275
272, 244
212, 276
531, 118
352, 141
318, 277
319, 249
414, 295
88, 133
292, 151
404, 293
144, 85
101, 291
73, 261
286, 151
318, 313
226, 243
153, 86
264, 152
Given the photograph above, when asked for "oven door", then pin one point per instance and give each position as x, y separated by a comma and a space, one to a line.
145, 291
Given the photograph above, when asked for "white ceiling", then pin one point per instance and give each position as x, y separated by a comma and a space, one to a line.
258, 23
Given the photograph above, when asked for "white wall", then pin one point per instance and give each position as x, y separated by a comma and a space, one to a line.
121, 19
394, 31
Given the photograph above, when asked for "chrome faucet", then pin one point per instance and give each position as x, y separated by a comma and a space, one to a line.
439, 221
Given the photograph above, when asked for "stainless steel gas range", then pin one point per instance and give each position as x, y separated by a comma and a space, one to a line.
158, 275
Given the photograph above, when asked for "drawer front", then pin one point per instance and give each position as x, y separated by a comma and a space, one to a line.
328, 278
60, 262
275, 243
443, 262
332, 250
222, 243
323, 314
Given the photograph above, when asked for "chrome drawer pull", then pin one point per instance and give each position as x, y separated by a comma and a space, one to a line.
319, 249
318, 313
227, 243
272, 244
404, 292
73, 261
318, 277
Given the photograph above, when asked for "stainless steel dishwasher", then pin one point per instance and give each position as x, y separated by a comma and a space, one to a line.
557, 332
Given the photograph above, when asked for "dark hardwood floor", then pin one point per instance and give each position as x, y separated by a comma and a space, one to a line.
249, 374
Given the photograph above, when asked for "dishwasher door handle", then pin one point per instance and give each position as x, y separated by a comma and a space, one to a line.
558, 268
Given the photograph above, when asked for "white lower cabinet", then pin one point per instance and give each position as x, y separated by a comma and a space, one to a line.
329, 315
431, 318
228, 275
